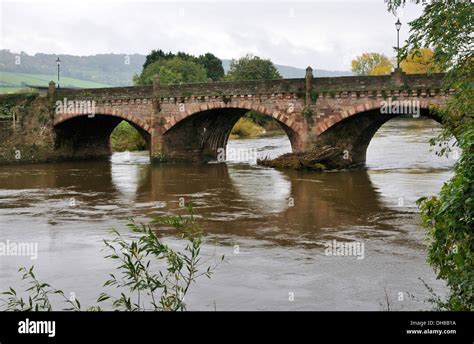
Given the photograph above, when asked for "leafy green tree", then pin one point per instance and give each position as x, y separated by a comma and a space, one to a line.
447, 27
213, 66
251, 67
172, 71
372, 64
211, 63
154, 56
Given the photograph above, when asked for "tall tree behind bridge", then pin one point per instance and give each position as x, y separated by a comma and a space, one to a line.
251, 67
211, 63
172, 71
420, 61
213, 66
372, 64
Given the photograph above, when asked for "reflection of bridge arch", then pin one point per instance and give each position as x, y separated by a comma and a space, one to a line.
226, 205
266, 190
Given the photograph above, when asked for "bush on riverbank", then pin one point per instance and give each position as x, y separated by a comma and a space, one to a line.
273, 126
244, 128
449, 216
126, 138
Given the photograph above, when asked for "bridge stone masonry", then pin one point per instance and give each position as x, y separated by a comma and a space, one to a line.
192, 122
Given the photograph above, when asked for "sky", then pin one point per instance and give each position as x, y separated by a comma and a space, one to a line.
324, 34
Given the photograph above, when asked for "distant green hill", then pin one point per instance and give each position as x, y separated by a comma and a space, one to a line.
110, 69
22, 79
15, 82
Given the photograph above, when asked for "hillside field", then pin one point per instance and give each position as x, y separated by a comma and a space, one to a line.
15, 82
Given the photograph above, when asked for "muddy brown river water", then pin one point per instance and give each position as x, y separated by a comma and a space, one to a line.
278, 221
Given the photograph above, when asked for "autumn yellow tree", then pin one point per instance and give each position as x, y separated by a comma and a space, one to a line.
419, 61
372, 64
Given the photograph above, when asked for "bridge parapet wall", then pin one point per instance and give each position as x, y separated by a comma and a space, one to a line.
105, 94
378, 83
233, 88
349, 84
381, 94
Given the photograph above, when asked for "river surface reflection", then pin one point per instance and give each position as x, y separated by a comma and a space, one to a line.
280, 221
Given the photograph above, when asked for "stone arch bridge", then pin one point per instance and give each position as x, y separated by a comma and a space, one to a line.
190, 122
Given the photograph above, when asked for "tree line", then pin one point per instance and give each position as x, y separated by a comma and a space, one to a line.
181, 67
418, 61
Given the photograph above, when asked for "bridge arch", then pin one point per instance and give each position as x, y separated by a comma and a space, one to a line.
135, 121
354, 110
352, 130
203, 130
88, 135
277, 114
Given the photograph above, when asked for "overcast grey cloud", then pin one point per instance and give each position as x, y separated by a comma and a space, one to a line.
323, 34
